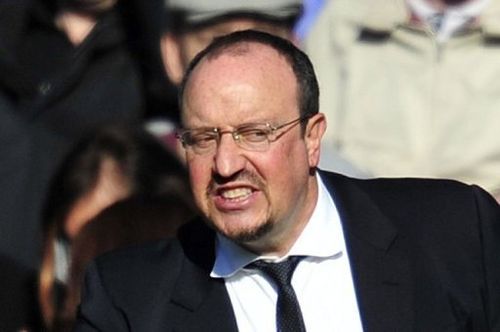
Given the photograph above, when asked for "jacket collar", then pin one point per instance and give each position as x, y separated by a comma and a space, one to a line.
389, 297
378, 273
201, 303
387, 15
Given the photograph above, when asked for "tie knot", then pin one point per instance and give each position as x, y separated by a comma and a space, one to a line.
281, 272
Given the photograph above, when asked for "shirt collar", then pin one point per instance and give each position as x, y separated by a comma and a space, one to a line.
322, 237
389, 14
470, 9
452, 19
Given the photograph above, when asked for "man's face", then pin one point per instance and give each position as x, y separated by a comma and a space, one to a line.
259, 199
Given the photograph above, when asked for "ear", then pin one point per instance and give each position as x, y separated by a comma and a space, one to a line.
171, 56
316, 127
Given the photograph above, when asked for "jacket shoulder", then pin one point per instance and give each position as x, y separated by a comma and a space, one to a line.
133, 276
409, 188
404, 200
136, 274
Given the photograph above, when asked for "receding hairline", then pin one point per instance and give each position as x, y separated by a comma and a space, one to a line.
305, 78
240, 49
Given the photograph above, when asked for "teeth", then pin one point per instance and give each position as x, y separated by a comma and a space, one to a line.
236, 193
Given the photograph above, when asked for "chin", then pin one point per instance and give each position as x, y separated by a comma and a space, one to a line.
248, 235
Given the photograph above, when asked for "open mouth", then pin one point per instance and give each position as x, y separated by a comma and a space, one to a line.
236, 194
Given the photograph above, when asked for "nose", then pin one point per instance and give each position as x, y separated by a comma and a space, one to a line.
228, 158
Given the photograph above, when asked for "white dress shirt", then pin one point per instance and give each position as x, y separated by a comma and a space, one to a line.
322, 281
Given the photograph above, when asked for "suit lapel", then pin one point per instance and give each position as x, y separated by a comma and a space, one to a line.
396, 287
380, 270
199, 302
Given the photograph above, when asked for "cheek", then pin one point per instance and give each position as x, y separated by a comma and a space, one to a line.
200, 175
288, 162
285, 157
275, 168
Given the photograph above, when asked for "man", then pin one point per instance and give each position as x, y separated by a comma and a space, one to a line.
374, 255
410, 87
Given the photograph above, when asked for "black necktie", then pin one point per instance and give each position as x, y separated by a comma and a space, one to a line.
288, 314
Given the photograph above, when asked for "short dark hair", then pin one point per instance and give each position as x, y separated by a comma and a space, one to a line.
307, 84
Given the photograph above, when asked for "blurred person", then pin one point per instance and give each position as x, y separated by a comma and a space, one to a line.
128, 222
19, 183
65, 69
410, 87
284, 246
143, 21
106, 166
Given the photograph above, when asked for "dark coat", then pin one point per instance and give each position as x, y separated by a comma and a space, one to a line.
424, 255
18, 301
50, 94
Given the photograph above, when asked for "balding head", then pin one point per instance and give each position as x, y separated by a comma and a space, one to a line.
238, 43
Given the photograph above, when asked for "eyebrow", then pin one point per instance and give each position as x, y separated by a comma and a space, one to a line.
247, 124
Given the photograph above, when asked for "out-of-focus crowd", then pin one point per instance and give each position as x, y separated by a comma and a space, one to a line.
88, 112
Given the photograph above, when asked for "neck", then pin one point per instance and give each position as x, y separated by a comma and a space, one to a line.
281, 238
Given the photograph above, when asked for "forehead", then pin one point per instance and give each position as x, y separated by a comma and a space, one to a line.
252, 80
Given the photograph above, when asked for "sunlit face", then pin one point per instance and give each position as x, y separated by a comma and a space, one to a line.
261, 199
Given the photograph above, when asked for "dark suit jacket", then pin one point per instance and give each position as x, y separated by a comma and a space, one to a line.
425, 256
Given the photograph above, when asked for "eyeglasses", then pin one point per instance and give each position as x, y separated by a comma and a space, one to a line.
250, 137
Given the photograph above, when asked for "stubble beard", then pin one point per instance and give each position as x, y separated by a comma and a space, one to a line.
252, 235
241, 235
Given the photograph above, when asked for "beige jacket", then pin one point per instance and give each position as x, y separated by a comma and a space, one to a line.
400, 104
